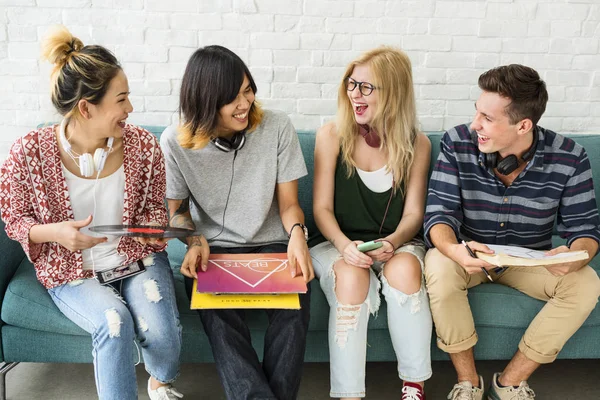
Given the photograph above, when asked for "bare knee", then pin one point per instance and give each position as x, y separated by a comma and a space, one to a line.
351, 283
403, 272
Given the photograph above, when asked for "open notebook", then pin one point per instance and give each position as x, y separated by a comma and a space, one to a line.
523, 257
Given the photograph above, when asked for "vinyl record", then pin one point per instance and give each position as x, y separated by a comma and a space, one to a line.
147, 231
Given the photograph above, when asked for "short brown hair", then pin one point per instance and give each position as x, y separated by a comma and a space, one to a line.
522, 85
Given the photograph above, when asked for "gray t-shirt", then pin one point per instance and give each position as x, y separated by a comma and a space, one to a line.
209, 176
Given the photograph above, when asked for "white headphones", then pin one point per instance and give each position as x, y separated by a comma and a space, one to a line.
86, 163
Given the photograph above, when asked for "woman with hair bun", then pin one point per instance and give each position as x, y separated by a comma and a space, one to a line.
95, 165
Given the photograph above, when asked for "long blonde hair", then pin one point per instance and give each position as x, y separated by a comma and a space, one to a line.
396, 117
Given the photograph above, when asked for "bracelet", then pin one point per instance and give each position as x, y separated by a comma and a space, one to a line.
304, 230
391, 244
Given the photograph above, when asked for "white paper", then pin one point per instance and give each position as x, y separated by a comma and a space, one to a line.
523, 252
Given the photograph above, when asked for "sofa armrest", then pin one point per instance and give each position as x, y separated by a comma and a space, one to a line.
11, 256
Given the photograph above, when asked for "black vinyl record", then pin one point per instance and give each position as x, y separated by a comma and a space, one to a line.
147, 231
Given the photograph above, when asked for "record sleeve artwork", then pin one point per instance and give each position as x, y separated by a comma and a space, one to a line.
249, 273
247, 281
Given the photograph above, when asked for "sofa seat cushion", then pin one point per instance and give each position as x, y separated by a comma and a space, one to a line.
492, 306
501, 306
27, 304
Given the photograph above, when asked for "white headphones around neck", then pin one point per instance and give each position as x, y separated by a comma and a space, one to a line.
87, 164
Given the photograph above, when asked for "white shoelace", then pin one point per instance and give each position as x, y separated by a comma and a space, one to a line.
168, 393
524, 392
410, 393
461, 391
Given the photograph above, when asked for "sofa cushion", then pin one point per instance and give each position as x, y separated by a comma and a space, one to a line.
27, 304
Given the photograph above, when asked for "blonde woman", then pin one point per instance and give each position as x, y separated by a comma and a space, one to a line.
370, 183
52, 187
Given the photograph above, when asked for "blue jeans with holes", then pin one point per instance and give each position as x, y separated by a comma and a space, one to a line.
408, 316
242, 375
142, 306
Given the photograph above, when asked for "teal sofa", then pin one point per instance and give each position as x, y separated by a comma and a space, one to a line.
34, 330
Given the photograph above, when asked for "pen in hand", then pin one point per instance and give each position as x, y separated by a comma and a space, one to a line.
474, 256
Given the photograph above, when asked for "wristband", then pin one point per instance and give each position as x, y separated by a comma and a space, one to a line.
391, 244
304, 229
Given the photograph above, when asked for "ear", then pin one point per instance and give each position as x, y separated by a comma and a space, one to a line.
524, 126
84, 108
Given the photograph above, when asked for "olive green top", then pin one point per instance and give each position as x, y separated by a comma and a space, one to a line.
360, 211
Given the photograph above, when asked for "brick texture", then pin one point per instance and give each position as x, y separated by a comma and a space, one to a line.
298, 49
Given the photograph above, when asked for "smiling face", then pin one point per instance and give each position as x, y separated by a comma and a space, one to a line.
107, 118
494, 130
233, 117
364, 107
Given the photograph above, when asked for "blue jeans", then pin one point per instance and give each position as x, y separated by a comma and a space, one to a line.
241, 373
143, 306
409, 323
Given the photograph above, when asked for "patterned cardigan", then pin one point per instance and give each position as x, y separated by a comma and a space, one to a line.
33, 191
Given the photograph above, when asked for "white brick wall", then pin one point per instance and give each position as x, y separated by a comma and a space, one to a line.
298, 49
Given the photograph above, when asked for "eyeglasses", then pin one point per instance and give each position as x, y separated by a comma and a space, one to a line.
365, 87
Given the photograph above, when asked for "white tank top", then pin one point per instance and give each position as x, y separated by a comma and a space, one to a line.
110, 195
377, 181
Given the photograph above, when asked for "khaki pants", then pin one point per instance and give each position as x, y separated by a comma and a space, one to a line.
570, 300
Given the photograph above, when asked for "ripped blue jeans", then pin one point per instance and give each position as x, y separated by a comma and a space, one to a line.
142, 306
409, 323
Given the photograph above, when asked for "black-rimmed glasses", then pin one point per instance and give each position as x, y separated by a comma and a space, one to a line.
365, 87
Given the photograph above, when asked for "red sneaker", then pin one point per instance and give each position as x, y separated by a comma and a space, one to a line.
412, 391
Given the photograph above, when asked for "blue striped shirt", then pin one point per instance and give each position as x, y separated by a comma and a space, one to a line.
556, 186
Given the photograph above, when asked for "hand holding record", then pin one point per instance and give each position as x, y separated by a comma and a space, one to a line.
68, 235
151, 241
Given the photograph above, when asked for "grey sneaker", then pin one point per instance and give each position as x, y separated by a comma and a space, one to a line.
164, 393
465, 391
523, 392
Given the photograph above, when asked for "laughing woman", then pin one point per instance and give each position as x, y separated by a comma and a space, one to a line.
50, 187
232, 174
370, 183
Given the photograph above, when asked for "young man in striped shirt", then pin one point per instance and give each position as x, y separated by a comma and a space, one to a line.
503, 180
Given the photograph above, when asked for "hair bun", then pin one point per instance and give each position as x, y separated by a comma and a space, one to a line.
59, 44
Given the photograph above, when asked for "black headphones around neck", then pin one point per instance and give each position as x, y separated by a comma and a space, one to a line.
233, 144
509, 163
